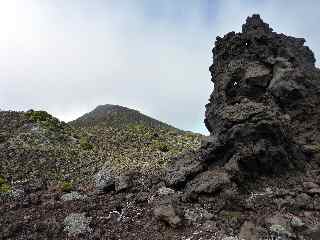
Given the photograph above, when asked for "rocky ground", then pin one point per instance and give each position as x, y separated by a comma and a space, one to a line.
256, 177
142, 207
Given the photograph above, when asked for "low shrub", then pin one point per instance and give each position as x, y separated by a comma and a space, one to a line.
5, 188
163, 147
85, 144
67, 186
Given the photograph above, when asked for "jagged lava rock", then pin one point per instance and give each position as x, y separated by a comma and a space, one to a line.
264, 107
263, 114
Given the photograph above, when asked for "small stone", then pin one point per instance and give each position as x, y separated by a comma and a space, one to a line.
276, 220
310, 185
197, 215
168, 214
302, 200
314, 191
141, 197
165, 191
296, 222
307, 214
77, 223
207, 215
231, 238
122, 183
73, 196
314, 232
248, 231
280, 232
104, 180
208, 182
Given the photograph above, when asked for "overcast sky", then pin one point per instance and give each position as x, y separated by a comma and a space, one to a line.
68, 56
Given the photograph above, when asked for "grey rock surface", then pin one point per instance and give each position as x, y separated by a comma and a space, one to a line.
104, 180
262, 80
73, 196
122, 183
265, 86
168, 213
77, 223
248, 231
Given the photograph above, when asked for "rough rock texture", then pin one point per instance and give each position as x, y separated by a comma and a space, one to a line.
263, 114
264, 107
104, 180
263, 118
167, 213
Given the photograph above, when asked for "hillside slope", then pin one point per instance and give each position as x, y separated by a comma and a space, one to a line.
36, 145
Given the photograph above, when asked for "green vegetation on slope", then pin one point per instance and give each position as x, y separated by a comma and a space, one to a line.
37, 145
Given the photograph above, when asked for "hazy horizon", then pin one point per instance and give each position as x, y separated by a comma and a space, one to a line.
67, 57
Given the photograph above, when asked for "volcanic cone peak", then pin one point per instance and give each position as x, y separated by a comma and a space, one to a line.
263, 114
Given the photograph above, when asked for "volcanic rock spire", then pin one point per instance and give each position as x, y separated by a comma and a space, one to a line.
265, 95
263, 114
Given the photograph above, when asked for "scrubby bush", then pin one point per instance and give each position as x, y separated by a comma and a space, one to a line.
46, 120
5, 188
2, 180
67, 186
163, 147
38, 116
85, 144
231, 215
4, 185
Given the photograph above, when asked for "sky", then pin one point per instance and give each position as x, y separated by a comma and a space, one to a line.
68, 56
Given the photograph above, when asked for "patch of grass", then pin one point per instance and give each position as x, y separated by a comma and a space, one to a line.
85, 144
315, 148
67, 186
2, 180
4, 186
38, 116
45, 119
233, 216
163, 147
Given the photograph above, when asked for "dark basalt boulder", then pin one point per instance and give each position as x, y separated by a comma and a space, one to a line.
266, 93
263, 114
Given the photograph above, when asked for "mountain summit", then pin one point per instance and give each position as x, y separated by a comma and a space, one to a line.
117, 116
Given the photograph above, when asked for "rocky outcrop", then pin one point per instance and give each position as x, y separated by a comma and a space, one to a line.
263, 119
263, 113
264, 105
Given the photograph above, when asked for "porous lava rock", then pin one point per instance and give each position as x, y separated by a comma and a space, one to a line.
264, 107
263, 114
